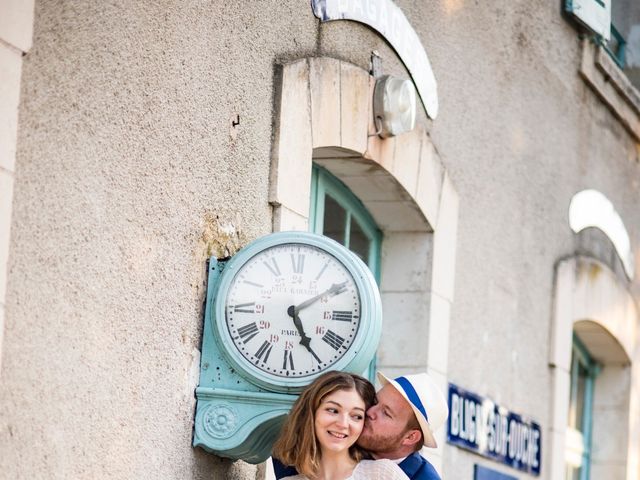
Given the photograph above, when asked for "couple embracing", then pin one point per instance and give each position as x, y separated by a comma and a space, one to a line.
338, 429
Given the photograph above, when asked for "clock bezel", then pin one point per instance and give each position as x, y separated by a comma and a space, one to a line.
363, 346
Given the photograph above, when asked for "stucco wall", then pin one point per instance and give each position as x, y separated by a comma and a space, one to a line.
127, 178
520, 133
16, 23
129, 174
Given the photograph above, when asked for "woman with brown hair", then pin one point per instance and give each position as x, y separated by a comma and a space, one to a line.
320, 433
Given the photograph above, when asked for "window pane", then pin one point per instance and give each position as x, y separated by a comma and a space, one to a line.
572, 395
582, 382
358, 241
334, 220
578, 386
625, 20
338, 214
578, 433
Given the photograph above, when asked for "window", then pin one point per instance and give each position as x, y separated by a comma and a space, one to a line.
616, 46
615, 25
610, 60
338, 214
624, 44
625, 35
583, 374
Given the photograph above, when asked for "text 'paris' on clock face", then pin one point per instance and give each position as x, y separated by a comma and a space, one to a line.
293, 310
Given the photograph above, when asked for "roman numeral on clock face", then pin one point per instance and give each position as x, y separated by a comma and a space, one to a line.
248, 332
288, 358
324, 267
342, 315
273, 267
265, 349
297, 263
333, 339
244, 307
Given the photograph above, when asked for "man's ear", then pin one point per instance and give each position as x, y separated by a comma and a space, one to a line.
411, 438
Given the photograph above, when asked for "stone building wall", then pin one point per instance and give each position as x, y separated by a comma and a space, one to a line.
144, 146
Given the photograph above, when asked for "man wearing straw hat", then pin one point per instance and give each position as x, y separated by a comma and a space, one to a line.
409, 409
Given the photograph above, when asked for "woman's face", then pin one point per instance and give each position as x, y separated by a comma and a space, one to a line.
339, 420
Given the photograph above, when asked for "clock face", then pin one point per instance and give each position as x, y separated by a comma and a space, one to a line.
292, 310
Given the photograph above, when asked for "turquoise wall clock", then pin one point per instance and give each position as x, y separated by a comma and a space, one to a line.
283, 310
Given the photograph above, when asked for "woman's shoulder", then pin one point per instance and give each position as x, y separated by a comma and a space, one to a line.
294, 477
382, 469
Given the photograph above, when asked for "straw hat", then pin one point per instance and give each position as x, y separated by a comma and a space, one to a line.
426, 400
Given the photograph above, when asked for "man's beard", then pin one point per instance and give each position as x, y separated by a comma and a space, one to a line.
378, 444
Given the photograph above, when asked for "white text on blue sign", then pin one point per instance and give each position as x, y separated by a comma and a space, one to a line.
478, 424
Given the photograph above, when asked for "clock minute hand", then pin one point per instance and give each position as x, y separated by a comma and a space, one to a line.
304, 340
335, 289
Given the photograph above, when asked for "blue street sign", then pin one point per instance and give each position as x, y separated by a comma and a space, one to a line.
478, 424
484, 473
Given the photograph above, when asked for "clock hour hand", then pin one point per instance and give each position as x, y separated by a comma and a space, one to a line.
304, 340
335, 289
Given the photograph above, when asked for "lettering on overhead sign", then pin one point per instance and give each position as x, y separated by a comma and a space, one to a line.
388, 20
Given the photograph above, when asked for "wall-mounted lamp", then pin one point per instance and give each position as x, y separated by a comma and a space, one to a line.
394, 106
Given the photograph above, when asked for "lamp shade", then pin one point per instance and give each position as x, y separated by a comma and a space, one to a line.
394, 106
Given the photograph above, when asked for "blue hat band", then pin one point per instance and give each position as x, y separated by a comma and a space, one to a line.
412, 395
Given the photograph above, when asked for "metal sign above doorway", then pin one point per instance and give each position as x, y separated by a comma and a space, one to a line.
479, 425
388, 20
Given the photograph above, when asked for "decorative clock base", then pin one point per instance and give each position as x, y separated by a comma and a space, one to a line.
238, 424
234, 418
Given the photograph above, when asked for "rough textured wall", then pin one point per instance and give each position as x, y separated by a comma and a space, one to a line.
520, 133
128, 176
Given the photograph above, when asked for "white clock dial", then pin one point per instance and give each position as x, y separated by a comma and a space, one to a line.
293, 310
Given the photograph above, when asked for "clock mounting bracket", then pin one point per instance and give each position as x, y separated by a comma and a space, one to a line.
234, 417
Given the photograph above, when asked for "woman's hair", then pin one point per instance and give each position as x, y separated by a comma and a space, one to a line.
297, 444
